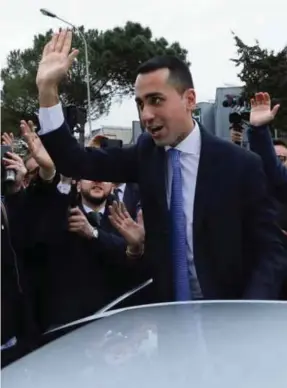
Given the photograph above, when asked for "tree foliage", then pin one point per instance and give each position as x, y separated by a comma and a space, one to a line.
264, 71
114, 56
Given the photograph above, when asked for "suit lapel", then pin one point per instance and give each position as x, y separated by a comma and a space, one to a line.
206, 181
127, 197
159, 171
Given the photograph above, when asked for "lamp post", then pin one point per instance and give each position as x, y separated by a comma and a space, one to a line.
52, 15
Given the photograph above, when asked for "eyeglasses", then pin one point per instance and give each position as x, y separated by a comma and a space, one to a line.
282, 158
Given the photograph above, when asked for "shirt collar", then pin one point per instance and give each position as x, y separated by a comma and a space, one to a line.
121, 188
191, 144
89, 210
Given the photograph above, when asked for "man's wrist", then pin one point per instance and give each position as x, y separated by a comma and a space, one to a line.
93, 233
48, 95
135, 250
47, 174
261, 127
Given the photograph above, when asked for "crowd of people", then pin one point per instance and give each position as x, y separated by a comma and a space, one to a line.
202, 217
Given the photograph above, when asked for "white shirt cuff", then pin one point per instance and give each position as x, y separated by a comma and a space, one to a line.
50, 119
64, 188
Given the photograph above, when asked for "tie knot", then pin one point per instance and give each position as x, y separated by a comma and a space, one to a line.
174, 155
95, 218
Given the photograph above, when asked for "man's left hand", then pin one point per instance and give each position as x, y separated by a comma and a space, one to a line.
261, 113
78, 223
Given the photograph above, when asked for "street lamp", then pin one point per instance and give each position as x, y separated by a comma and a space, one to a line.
52, 15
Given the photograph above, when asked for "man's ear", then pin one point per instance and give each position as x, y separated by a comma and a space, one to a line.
190, 99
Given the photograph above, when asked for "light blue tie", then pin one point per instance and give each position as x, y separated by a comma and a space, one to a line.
178, 228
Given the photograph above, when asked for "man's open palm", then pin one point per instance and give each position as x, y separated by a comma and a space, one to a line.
36, 148
261, 113
56, 60
133, 232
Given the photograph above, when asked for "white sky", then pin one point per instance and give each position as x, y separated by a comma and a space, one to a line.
202, 27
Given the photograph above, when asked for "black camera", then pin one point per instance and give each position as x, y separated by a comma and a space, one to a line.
7, 175
74, 195
110, 143
240, 113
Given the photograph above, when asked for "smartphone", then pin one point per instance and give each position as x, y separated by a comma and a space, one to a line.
4, 149
74, 195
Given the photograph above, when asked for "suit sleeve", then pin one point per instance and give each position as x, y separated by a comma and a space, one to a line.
112, 165
111, 246
261, 143
264, 235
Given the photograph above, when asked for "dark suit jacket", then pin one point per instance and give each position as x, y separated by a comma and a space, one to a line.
261, 142
72, 276
131, 199
237, 249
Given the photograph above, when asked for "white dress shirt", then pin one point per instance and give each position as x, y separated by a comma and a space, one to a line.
52, 118
90, 210
189, 160
121, 191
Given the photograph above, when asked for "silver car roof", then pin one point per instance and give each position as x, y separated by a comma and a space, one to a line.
194, 344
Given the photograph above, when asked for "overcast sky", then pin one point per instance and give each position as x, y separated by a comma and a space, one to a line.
203, 27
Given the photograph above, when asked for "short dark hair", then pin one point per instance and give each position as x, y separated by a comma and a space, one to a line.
280, 142
179, 73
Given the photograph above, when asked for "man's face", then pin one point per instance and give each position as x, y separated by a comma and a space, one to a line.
281, 152
164, 112
95, 192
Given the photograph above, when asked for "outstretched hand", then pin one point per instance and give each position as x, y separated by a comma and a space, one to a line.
36, 148
133, 232
57, 58
261, 112
8, 139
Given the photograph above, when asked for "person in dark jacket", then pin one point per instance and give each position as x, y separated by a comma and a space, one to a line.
203, 239
19, 332
79, 262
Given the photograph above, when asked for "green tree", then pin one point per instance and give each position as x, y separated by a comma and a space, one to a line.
264, 71
114, 56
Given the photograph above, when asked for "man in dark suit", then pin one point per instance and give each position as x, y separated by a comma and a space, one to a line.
210, 226
80, 259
